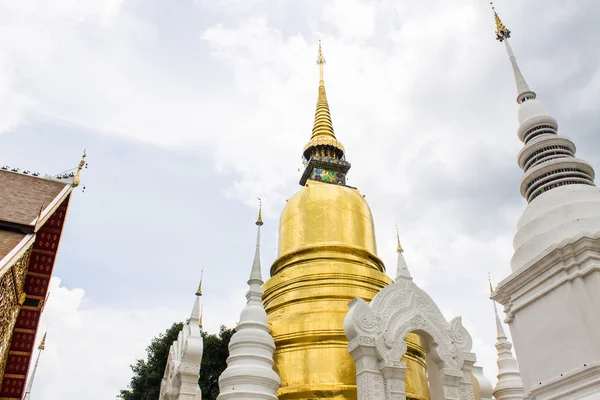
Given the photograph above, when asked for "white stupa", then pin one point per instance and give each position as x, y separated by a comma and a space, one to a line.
249, 373
551, 298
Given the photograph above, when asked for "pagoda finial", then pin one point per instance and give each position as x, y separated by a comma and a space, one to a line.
201, 313
259, 220
399, 248
82, 164
199, 291
490, 282
402, 271
502, 35
323, 126
320, 62
502, 32
42, 345
323, 155
255, 274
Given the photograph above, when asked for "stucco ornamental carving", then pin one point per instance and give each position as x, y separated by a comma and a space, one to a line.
396, 311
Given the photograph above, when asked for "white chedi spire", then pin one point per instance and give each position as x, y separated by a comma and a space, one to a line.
180, 379
510, 384
249, 373
563, 199
402, 271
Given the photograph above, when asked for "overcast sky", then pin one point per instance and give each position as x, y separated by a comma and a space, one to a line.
190, 110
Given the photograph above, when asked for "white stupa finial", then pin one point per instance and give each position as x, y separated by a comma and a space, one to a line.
196, 315
249, 373
502, 35
402, 271
510, 384
256, 274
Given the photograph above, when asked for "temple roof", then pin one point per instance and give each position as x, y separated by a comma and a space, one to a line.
23, 195
8, 241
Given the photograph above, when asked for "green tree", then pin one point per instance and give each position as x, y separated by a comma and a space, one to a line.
147, 374
214, 361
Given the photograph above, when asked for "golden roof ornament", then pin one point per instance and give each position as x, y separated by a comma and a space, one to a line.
82, 164
201, 312
259, 220
502, 32
490, 282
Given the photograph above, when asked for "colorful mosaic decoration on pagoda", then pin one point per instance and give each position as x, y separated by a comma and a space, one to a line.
325, 169
323, 175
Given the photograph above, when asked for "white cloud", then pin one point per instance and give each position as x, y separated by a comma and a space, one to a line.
90, 347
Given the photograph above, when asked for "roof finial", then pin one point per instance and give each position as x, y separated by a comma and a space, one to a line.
82, 164
201, 312
399, 248
502, 32
199, 291
259, 220
490, 282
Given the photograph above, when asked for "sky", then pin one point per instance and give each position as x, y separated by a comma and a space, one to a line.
190, 110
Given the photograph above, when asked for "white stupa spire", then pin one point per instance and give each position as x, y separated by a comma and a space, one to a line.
552, 173
249, 373
510, 384
502, 35
41, 348
402, 271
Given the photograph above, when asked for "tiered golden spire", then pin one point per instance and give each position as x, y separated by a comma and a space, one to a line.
490, 282
322, 133
201, 312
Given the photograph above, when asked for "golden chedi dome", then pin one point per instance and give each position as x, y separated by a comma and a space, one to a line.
327, 256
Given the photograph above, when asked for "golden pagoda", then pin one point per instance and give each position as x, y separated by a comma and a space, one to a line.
327, 256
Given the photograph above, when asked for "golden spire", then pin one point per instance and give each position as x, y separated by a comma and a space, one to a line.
323, 125
501, 31
201, 312
399, 248
199, 291
259, 220
42, 345
82, 163
490, 282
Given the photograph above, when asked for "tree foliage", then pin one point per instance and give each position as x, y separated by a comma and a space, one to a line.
214, 361
147, 374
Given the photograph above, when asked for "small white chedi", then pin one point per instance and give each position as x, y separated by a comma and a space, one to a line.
180, 380
249, 373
